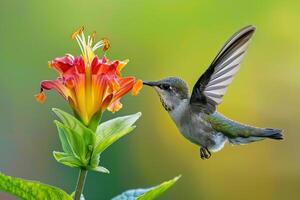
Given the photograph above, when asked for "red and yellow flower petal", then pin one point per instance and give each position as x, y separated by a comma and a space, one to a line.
114, 84
95, 65
79, 91
79, 65
99, 89
62, 64
137, 87
115, 106
121, 65
102, 67
104, 59
69, 82
126, 85
105, 103
108, 68
58, 86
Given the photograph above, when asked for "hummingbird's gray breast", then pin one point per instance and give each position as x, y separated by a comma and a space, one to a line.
195, 128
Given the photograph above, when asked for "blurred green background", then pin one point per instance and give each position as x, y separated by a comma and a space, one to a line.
161, 38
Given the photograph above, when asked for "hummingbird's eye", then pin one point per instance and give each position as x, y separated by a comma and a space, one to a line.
165, 86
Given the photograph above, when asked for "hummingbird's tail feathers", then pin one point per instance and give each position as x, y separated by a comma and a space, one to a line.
273, 133
244, 140
238, 133
257, 135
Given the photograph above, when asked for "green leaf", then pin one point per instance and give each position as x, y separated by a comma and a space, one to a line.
82, 147
78, 141
106, 142
72, 140
100, 169
31, 190
147, 194
67, 159
77, 126
94, 162
93, 124
110, 131
65, 143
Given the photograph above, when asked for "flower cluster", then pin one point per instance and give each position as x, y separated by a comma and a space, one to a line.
90, 84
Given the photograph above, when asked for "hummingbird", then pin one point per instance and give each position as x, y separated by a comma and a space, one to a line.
196, 116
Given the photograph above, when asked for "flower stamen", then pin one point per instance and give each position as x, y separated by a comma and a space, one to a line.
86, 44
78, 32
106, 44
93, 36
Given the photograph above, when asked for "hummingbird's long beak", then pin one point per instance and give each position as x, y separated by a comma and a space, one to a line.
150, 83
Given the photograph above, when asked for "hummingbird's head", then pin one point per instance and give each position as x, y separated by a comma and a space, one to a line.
171, 90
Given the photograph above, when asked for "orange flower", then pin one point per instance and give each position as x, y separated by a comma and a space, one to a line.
89, 84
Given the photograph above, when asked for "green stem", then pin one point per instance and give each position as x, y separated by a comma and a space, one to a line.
80, 183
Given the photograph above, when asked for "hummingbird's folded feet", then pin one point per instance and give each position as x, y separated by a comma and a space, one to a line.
204, 153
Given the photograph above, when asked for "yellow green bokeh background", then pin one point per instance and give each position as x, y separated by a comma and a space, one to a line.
161, 38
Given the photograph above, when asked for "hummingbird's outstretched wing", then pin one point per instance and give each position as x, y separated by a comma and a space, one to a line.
212, 85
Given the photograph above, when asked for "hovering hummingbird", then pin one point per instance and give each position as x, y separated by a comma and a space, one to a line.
196, 117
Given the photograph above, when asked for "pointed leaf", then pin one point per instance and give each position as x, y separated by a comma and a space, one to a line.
147, 194
67, 159
67, 119
77, 126
116, 125
110, 131
94, 161
29, 190
100, 169
95, 121
67, 147
74, 140
106, 142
